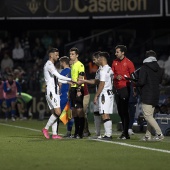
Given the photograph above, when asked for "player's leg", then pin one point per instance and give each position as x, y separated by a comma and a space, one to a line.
13, 108
97, 120
85, 108
73, 93
80, 112
106, 108
53, 102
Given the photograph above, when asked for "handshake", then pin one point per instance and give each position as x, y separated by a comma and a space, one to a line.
79, 82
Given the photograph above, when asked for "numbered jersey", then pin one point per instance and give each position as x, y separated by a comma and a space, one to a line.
106, 75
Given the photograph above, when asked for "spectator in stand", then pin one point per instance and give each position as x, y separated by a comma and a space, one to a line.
11, 88
33, 78
46, 40
38, 50
18, 54
2, 46
122, 67
6, 62
25, 44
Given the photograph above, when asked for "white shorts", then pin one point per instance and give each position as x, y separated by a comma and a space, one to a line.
52, 98
106, 103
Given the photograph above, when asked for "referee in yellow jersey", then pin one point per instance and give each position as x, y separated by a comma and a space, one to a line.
77, 93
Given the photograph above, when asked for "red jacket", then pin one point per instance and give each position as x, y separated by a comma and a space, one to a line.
122, 67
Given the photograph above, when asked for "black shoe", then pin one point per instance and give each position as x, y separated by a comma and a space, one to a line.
76, 136
124, 137
106, 137
68, 135
86, 134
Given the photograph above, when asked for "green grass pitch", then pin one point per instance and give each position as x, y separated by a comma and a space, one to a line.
23, 147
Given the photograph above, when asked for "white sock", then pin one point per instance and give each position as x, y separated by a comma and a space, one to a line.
50, 121
97, 122
54, 128
108, 128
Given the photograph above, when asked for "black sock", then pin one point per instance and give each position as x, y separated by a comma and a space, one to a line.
81, 124
76, 123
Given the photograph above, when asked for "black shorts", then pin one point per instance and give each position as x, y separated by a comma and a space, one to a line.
76, 101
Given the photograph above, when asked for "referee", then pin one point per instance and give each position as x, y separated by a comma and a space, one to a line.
77, 93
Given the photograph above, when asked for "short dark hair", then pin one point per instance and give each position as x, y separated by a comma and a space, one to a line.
96, 54
74, 49
150, 53
104, 54
123, 48
65, 59
53, 50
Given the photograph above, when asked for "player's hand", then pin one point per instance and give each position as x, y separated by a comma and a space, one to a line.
73, 82
95, 100
81, 81
79, 93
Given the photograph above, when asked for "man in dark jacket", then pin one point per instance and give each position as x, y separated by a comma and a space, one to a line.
150, 76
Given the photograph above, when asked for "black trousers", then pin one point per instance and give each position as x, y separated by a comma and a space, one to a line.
122, 100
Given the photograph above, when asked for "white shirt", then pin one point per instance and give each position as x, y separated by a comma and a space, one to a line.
52, 77
106, 75
97, 76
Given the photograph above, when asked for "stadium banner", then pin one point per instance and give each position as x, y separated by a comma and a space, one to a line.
167, 7
82, 9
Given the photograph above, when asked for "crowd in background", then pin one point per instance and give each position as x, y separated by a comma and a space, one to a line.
24, 55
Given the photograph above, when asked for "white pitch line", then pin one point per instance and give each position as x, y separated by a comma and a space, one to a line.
133, 146
118, 143
20, 127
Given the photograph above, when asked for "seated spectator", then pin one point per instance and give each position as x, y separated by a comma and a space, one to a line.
18, 54
6, 62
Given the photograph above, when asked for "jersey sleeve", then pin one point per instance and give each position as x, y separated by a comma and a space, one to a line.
62, 81
102, 75
81, 68
53, 71
131, 67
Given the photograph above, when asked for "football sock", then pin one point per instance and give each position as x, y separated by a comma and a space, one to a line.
81, 125
50, 121
86, 126
13, 113
97, 122
76, 123
54, 128
108, 127
70, 125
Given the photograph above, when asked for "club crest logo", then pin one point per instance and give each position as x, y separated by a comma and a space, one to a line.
33, 5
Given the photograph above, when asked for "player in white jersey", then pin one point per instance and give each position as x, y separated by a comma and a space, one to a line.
97, 116
104, 94
104, 82
52, 78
